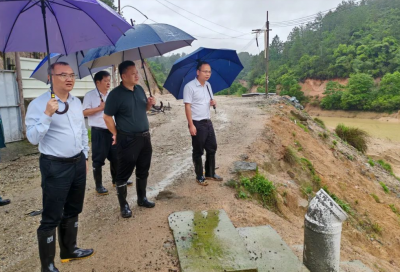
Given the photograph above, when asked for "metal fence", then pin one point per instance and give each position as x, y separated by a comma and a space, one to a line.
9, 107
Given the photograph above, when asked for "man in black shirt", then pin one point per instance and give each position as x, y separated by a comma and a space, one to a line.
128, 104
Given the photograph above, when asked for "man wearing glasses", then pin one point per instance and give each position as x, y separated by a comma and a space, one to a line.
63, 144
198, 98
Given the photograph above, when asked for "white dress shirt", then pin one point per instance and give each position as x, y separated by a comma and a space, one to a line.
62, 135
198, 97
91, 101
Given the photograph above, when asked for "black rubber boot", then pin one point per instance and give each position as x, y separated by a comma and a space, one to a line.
98, 180
142, 200
67, 233
122, 193
210, 168
47, 250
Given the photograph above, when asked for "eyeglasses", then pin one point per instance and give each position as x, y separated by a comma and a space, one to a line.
65, 76
206, 72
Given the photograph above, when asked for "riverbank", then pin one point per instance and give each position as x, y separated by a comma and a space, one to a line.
383, 116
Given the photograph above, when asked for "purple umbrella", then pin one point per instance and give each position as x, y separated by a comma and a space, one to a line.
58, 26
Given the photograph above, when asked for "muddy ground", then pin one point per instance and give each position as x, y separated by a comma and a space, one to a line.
246, 128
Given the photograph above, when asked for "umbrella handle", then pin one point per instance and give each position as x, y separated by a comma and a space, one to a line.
48, 57
66, 105
159, 108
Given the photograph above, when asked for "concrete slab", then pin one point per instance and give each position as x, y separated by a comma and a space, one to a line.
268, 251
208, 241
354, 266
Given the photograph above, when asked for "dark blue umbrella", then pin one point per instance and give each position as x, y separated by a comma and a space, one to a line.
145, 41
225, 67
58, 26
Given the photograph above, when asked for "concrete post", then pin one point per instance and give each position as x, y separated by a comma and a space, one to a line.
322, 233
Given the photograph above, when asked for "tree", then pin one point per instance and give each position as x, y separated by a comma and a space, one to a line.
110, 3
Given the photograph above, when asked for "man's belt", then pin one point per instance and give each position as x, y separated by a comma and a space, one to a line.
75, 158
203, 121
101, 129
140, 134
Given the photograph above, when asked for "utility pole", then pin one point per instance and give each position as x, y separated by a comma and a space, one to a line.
266, 48
266, 36
119, 7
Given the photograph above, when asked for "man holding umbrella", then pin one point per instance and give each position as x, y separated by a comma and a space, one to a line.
198, 98
63, 144
128, 105
102, 148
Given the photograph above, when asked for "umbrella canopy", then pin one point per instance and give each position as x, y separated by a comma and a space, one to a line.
40, 72
72, 25
225, 67
145, 41
58, 26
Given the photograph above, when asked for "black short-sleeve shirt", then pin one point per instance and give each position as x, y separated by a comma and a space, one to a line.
128, 108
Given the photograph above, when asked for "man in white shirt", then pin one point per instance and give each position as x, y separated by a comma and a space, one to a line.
198, 98
63, 144
101, 137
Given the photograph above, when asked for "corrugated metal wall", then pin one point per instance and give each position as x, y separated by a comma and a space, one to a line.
9, 108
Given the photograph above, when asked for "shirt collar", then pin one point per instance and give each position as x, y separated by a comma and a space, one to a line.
125, 88
197, 82
97, 90
69, 99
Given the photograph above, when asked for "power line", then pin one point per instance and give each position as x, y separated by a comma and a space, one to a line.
306, 19
196, 22
227, 38
203, 18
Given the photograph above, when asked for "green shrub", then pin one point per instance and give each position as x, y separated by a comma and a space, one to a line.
290, 156
302, 126
265, 189
377, 200
242, 195
375, 227
344, 205
385, 188
299, 146
371, 162
393, 208
354, 136
386, 166
231, 183
307, 189
320, 122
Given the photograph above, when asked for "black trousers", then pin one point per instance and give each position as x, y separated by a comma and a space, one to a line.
103, 149
63, 188
204, 140
133, 151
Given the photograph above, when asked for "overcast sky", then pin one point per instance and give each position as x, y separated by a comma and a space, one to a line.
236, 17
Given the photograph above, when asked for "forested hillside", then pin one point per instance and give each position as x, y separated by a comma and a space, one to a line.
360, 40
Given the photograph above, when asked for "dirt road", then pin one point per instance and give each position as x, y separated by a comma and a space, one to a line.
251, 128
144, 242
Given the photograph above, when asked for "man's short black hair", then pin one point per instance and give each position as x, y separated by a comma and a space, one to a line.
125, 65
50, 69
100, 75
201, 63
